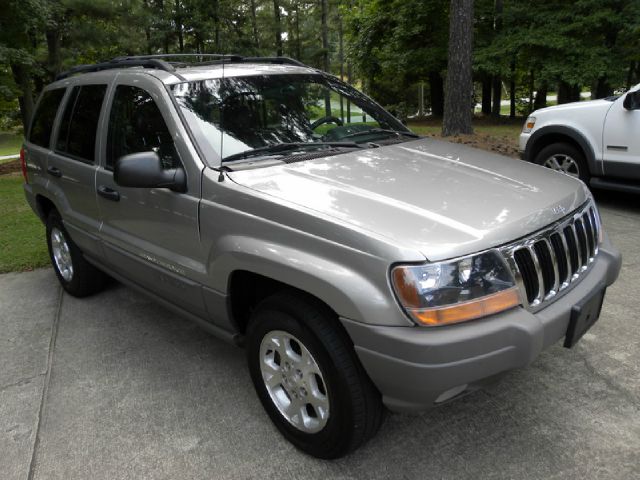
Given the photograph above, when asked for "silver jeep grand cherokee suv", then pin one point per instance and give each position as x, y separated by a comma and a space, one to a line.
281, 209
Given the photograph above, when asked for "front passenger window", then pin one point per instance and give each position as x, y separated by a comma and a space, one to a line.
136, 125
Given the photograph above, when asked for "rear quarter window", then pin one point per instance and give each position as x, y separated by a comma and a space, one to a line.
79, 126
45, 115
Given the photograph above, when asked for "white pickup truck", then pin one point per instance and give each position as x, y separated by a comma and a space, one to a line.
597, 141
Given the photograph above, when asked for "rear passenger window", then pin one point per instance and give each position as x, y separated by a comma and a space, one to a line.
136, 125
44, 117
79, 125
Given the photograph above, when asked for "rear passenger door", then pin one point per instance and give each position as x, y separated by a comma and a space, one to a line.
151, 235
71, 167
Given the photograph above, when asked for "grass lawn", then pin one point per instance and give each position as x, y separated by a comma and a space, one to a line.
22, 235
10, 143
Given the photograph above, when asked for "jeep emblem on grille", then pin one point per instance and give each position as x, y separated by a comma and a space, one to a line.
559, 210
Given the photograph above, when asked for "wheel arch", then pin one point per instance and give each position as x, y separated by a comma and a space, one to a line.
559, 133
44, 206
244, 270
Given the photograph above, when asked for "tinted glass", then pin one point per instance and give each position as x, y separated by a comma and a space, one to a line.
44, 117
136, 125
63, 133
239, 114
79, 128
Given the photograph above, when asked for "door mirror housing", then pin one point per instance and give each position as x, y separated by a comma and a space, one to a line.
144, 170
632, 101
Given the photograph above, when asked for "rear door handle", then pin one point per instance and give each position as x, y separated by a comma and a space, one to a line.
108, 193
56, 172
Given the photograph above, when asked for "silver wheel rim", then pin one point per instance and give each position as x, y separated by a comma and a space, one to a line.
61, 254
561, 162
294, 381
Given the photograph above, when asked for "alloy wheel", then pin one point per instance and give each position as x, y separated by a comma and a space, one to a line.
294, 381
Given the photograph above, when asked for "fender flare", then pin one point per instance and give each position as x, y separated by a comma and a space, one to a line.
348, 292
570, 132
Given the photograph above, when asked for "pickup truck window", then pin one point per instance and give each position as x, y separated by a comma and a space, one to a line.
79, 125
238, 114
136, 125
42, 124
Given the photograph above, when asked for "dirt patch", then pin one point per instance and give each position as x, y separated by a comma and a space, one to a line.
9, 167
501, 145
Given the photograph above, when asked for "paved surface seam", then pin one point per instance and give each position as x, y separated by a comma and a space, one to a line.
45, 387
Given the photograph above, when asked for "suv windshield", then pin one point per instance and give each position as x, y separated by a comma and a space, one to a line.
235, 116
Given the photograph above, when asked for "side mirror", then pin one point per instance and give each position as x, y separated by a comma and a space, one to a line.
632, 101
144, 170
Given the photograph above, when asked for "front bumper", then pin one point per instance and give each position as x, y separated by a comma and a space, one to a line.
414, 368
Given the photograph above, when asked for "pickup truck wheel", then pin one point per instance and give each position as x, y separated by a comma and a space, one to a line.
308, 378
564, 158
77, 276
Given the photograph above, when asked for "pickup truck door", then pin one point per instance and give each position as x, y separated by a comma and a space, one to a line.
150, 235
621, 142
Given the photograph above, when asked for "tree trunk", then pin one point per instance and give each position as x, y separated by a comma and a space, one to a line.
541, 96
179, 27
278, 27
436, 94
568, 93
341, 59
23, 80
459, 85
325, 50
298, 44
603, 89
254, 26
486, 94
54, 57
512, 90
496, 85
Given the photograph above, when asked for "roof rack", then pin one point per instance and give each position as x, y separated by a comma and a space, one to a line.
160, 62
118, 63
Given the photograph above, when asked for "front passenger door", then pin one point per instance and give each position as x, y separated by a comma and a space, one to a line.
150, 235
621, 142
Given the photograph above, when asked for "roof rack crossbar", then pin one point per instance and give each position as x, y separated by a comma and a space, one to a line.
118, 63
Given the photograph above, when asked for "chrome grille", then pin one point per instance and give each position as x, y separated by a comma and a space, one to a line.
547, 262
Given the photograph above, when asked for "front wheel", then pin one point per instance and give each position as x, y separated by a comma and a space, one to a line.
308, 377
564, 158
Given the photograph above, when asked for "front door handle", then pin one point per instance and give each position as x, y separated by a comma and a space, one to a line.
108, 193
56, 172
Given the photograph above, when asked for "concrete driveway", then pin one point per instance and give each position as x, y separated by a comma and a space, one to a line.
116, 387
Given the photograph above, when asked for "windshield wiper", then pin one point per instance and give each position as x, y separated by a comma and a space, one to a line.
381, 130
284, 147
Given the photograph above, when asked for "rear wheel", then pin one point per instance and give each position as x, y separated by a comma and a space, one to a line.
308, 378
565, 158
77, 276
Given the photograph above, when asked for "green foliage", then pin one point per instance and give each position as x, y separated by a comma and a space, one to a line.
22, 235
388, 45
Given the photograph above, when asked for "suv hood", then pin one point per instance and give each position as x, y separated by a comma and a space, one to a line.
439, 198
591, 106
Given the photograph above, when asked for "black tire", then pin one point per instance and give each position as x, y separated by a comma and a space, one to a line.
85, 278
355, 407
565, 149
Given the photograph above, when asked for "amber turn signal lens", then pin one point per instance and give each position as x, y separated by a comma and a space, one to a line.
405, 287
462, 312
530, 125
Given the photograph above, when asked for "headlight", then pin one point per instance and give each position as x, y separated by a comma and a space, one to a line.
529, 124
455, 291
